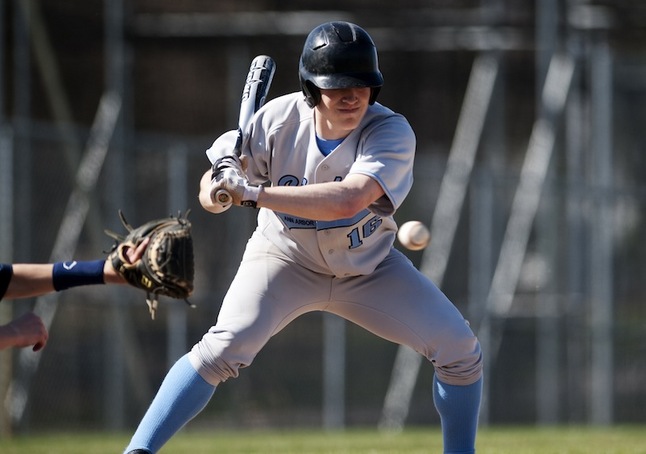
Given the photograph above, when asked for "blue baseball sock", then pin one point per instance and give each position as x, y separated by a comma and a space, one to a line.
181, 396
458, 407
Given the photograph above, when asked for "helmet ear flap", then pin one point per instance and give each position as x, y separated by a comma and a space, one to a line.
312, 93
374, 92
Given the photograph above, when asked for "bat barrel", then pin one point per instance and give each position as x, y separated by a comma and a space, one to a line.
259, 78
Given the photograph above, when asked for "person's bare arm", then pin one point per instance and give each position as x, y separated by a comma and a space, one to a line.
30, 279
35, 279
24, 331
322, 201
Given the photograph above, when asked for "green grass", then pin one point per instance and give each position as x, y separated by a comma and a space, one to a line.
516, 440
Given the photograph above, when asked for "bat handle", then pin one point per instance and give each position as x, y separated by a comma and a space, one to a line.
223, 198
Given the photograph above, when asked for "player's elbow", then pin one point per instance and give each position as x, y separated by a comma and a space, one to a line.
350, 205
357, 196
204, 196
358, 193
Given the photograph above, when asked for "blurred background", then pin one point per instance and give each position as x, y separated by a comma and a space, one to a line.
530, 120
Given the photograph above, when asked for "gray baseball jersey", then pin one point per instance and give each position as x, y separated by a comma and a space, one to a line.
284, 151
349, 267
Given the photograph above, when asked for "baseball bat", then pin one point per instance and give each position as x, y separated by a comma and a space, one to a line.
261, 72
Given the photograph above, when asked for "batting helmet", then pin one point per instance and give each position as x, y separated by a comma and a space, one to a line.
338, 55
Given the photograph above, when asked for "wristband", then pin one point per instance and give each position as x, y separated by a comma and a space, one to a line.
75, 274
250, 196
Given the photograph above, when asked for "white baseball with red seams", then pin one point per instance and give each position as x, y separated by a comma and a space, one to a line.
414, 235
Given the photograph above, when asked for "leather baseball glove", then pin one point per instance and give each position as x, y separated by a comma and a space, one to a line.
166, 266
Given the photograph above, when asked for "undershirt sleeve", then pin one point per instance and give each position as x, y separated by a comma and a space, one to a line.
6, 272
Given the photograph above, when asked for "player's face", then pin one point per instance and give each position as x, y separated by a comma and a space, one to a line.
340, 111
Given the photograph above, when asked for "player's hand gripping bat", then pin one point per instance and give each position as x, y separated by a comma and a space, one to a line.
254, 94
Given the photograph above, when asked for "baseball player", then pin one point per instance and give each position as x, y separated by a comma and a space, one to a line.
25, 280
327, 167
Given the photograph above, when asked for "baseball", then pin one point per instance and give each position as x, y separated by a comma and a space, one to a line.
414, 235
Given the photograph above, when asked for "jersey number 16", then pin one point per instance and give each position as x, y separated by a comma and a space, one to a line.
359, 233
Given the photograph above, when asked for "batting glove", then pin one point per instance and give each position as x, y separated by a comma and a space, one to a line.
226, 162
235, 182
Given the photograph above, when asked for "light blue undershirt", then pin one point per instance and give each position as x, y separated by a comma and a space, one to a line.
327, 146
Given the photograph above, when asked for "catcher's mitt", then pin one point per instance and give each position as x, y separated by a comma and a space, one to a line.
166, 266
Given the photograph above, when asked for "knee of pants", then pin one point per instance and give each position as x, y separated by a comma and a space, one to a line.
219, 355
459, 362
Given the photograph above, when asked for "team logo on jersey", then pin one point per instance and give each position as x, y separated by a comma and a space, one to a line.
290, 180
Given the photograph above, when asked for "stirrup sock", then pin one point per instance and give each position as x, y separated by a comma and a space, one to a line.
458, 407
181, 396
